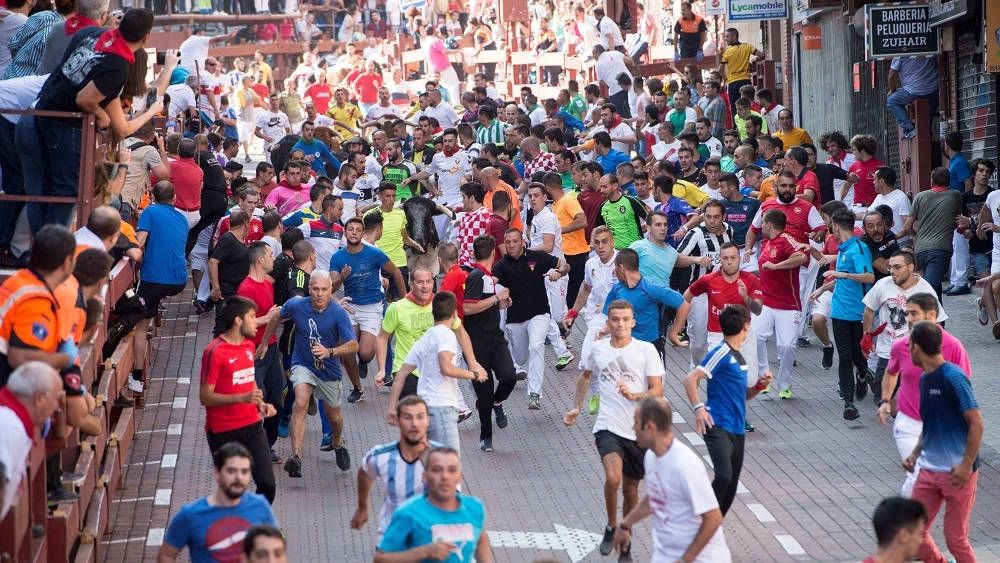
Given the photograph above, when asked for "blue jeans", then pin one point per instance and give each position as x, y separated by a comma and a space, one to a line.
50, 160
898, 101
443, 426
935, 266
13, 181
981, 264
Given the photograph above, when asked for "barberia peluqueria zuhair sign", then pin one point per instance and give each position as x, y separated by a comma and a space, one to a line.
899, 29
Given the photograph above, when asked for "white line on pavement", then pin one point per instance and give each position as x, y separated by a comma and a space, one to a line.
180, 402
155, 537
790, 544
169, 460
762, 513
162, 497
694, 439
677, 418
174, 429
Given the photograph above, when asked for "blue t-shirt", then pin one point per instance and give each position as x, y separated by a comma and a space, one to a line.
164, 260
417, 522
230, 131
629, 189
727, 388
958, 168
215, 533
853, 257
656, 263
645, 298
329, 328
945, 395
364, 284
320, 152
610, 161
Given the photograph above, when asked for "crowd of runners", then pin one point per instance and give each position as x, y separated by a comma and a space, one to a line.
404, 249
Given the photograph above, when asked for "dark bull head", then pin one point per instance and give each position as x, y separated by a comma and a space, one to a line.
419, 223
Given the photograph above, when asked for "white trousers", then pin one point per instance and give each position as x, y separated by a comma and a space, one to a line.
192, 217
588, 343
748, 350
959, 259
784, 325
807, 283
556, 292
199, 261
752, 265
449, 79
527, 343
906, 432
697, 329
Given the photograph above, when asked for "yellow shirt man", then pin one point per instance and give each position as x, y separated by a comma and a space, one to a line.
737, 61
349, 114
793, 138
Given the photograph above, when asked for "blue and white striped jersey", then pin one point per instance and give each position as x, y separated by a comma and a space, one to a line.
402, 480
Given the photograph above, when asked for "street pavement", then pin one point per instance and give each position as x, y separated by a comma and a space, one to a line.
809, 483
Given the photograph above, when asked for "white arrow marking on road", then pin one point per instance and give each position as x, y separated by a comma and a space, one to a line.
576, 543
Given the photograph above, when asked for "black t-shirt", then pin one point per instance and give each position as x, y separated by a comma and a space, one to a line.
697, 178
690, 41
80, 66
479, 286
525, 277
214, 183
283, 263
826, 174
234, 266
295, 284
885, 249
972, 204
508, 174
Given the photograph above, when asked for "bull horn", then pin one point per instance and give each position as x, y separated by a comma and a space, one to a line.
445, 210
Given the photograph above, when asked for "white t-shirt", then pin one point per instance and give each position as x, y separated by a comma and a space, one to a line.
606, 27
616, 132
210, 83
20, 93
633, 365
900, 205
890, 301
377, 111
714, 147
194, 48
451, 172
394, 11
433, 387
320, 121
181, 98
546, 223
993, 202
273, 124
680, 492
600, 277
713, 194
538, 115
609, 66
444, 113
15, 446
668, 151
689, 117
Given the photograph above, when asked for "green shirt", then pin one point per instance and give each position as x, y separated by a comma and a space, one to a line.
577, 107
391, 242
567, 181
396, 173
624, 217
408, 321
728, 163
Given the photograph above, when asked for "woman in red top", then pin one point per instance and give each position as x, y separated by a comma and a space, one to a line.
366, 86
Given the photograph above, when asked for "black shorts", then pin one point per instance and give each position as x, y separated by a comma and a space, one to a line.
630, 452
152, 293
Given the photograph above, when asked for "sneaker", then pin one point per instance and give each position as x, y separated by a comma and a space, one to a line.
594, 404
343, 458
828, 356
356, 395
851, 412
522, 375
765, 390
957, 290
387, 382
326, 444
786, 394
608, 541
7, 259
861, 386
123, 402
626, 555
486, 445
60, 495
747, 427
293, 466
908, 135
564, 361
996, 330
284, 427
465, 414
534, 402
313, 406
500, 416
982, 313
246, 158
275, 458
803, 342
135, 386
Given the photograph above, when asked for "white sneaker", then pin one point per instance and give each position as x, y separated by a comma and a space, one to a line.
135, 385
982, 313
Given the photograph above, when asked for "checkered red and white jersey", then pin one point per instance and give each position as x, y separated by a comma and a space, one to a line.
471, 226
544, 162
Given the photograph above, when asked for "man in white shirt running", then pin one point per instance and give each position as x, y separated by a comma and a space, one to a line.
545, 234
628, 371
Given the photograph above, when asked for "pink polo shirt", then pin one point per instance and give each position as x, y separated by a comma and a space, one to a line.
908, 397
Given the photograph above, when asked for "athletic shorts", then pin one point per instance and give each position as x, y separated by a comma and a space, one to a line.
823, 304
329, 391
632, 455
368, 317
152, 293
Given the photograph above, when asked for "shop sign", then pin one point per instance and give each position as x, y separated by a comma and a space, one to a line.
900, 29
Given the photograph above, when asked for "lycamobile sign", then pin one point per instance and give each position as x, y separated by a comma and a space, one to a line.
747, 10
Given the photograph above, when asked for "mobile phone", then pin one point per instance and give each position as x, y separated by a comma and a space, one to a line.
161, 58
150, 98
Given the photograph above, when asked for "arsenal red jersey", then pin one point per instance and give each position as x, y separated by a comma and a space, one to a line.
230, 368
722, 293
803, 218
262, 294
781, 287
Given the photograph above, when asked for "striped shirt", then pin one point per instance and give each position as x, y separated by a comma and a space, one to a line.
402, 479
494, 133
699, 242
300, 217
28, 44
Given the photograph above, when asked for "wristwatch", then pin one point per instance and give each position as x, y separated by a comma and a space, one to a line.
883, 402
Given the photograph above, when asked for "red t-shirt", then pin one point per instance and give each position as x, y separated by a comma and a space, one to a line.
254, 233
722, 293
320, 94
454, 281
287, 29
263, 91
266, 32
809, 181
262, 294
186, 176
864, 190
230, 368
780, 287
831, 246
802, 218
497, 227
366, 87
